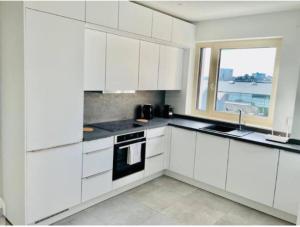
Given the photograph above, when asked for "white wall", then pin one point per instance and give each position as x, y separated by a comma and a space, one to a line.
285, 25
12, 114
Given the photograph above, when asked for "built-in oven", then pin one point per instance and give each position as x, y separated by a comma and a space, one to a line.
122, 150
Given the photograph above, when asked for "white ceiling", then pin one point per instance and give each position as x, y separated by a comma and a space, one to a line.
195, 11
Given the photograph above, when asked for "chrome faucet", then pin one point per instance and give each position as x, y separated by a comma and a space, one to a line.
240, 119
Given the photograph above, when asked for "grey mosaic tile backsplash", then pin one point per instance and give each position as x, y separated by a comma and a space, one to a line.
100, 107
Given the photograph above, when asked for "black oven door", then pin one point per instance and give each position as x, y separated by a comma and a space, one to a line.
120, 166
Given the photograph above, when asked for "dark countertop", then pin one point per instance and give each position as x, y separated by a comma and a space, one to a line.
195, 125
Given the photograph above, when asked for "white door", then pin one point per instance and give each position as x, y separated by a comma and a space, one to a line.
182, 155
94, 60
54, 80
148, 67
162, 26
170, 68
71, 9
287, 196
211, 159
53, 181
154, 165
183, 32
252, 171
103, 13
135, 18
122, 63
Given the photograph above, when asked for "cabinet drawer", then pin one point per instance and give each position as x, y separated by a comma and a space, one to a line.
154, 165
96, 185
97, 161
100, 144
155, 146
156, 132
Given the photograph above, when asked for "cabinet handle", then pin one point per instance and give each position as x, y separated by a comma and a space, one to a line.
96, 174
91, 152
155, 137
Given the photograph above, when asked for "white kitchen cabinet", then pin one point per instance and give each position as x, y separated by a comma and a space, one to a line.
182, 157
53, 181
94, 60
148, 67
162, 26
287, 195
211, 159
103, 13
170, 68
154, 165
96, 185
98, 161
122, 63
155, 142
135, 18
54, 80
183, 32
71, 9
252, 171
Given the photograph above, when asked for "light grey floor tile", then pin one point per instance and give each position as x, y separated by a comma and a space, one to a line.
160, 219
165, 201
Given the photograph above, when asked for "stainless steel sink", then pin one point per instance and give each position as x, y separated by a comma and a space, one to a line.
226, 130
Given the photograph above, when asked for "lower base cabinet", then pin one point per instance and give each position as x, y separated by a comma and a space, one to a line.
211, 160
53, 181
154, 165
182, 157
96, 185
287, 195
252, 171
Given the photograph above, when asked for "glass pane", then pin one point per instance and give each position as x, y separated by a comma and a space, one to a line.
245, 80
203, 80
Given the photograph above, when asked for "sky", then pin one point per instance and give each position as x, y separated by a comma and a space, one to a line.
251, 60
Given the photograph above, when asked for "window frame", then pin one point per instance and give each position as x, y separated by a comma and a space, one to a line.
216, 46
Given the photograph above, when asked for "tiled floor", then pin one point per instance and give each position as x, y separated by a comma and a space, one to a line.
167, 201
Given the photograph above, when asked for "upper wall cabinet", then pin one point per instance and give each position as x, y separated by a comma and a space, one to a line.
71, 9
122, 63
162, 26
170, 68
94, 60
148, 70
288, 183
54, 80
103, 13
135, 18
183, 32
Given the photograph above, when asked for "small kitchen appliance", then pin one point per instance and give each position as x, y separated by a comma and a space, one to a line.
148, 111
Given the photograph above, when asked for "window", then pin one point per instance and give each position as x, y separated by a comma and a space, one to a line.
237, 75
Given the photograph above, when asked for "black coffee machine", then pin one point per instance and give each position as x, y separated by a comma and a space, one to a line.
144, 112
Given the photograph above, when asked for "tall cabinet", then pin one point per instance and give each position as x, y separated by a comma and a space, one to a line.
45, 60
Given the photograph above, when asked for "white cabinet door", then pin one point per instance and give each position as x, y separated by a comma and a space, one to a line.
54, 80
170, 68
94, 60
71, 9
252, 171
103, 13
122, 63
155, 146
135, 18
162, 26
211, 159
96, 185
183, 147
154, 165
287, 196
53, 181
148, 69
183, 32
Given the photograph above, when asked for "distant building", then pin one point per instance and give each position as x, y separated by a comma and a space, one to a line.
226, 74
259, 77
